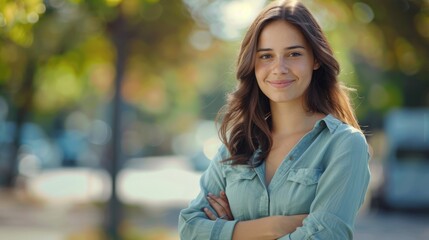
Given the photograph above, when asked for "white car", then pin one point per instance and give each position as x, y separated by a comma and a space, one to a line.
406, 165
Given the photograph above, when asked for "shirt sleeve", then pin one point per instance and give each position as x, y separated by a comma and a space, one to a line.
340, 193
193, 222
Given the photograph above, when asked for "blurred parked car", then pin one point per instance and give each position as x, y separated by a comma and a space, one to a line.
406, 164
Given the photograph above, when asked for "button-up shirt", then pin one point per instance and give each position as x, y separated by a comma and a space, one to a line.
325, 175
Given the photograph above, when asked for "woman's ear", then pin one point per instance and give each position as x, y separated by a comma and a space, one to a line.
316, 64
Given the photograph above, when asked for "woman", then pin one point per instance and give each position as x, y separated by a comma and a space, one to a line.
294, 164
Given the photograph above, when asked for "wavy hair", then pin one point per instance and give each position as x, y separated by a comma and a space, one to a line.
245, 124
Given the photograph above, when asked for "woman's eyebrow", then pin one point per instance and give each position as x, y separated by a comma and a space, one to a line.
263, 49
295, 47
287, 48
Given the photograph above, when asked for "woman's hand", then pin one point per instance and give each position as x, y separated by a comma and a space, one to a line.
220, 205
271, 227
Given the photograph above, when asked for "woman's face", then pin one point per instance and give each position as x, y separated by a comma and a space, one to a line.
284, 62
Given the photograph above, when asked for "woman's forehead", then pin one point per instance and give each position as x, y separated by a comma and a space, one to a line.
281, 32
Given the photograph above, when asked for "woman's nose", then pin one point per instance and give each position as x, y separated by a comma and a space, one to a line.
280, 67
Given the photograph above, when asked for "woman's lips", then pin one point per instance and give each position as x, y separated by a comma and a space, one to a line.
281, 83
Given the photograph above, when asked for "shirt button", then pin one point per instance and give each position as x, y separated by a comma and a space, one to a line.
291, 158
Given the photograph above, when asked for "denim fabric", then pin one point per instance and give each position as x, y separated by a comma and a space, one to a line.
325, 175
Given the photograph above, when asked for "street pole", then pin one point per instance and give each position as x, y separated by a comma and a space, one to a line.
114, 214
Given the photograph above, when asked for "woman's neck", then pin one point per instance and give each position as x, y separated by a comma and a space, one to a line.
292, 118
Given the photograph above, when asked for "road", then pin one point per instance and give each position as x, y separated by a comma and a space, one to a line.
20, 222
392, 226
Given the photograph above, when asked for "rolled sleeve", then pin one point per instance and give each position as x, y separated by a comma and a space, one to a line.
193, 223
223, 229
340, 193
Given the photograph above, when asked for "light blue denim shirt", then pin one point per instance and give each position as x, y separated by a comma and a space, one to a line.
325, 175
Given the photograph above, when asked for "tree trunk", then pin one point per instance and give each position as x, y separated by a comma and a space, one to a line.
24, 105
120, 41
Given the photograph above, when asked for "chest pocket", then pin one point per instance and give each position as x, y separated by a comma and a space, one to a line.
302, 185
305, 176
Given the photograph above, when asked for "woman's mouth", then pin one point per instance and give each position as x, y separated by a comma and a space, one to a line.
281, 83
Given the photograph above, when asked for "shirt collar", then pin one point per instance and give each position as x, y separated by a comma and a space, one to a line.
329, 121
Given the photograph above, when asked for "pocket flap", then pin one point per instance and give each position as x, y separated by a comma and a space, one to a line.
248, 175
306, 176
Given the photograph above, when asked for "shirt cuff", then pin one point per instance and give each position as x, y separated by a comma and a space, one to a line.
223, 229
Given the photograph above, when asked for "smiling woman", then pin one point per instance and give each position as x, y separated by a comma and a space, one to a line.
294, 162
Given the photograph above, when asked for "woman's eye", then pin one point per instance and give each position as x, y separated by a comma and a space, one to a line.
295, 54
265, 56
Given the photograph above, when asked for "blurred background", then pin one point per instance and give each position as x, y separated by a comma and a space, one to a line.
107, 110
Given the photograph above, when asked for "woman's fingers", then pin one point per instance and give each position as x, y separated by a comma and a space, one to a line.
222, 201
220, 205
220, 211
228, 209
209, 214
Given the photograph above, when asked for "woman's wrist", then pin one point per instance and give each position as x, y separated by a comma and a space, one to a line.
262, 228
272, 227
283, 225
279, 226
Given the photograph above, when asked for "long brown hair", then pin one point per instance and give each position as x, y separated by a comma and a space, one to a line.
245, 123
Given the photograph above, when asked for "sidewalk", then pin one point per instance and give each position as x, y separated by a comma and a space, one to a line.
23, 218
67, 204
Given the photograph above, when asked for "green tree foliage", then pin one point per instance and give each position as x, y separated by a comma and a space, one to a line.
61, 54
389, 48
65, 54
